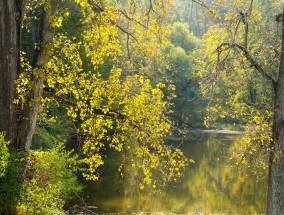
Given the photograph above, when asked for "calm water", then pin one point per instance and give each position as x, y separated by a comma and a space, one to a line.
209, 186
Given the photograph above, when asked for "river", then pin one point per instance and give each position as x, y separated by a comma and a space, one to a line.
209, 186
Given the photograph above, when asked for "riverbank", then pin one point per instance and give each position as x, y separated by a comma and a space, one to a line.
217, 131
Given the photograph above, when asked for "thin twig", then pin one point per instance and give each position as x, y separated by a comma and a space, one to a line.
249, 57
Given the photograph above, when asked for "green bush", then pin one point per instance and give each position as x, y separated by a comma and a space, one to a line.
36, 182
49, 182
4, 155
10, 168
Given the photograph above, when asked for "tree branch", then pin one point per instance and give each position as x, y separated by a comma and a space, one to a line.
249, 57
247, 15
111, 113
97, 9
212, 12
124, 31
279, 17
131, 18
201, 3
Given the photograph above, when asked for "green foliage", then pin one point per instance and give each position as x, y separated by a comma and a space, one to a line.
48, 182
53, 127
187, 103
227, 80
181, 36
178, 59
107, 96
252, 154
38, 182
10, 186
235, 89
98, 77
4, 155
193, 14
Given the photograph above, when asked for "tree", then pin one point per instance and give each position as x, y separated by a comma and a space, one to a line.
114, 107
243, 43
11, 19
180, 71
19, 124
192, 14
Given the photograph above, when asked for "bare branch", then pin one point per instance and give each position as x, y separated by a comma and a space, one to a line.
247, 15
201, 3
131, 18
124, 31
151, 8
248, 56
212, 12
98, 9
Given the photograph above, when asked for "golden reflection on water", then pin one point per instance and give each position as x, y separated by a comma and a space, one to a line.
209, 186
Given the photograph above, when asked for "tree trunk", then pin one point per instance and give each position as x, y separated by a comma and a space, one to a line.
42, 55
275, 199
10, 27
19, 125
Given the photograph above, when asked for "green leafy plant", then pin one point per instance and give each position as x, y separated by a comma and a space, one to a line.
48, 182
4, 155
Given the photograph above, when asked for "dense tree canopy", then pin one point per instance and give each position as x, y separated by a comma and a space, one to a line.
241, 69
99, 76
92, 62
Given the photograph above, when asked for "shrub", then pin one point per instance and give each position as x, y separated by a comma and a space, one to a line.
36, 182
10, 168
49, 182
4, 155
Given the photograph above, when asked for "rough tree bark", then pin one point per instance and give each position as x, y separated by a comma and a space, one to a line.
11, 13
275, 197
19, 125
33, 104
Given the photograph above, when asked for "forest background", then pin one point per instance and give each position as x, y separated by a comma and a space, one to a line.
79, 78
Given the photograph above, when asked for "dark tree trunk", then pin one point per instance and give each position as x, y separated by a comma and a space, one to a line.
10, 27
19, 125
275, 200
33, 104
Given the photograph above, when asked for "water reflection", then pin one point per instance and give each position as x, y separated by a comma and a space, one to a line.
209, 185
